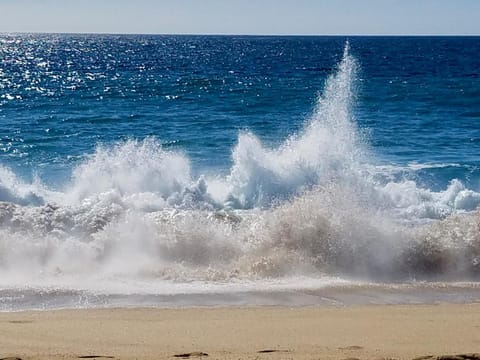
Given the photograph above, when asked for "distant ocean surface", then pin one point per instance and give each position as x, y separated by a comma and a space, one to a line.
217, 170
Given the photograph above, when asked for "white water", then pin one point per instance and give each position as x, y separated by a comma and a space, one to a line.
134, 218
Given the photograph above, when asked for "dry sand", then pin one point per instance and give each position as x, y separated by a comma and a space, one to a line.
363, 332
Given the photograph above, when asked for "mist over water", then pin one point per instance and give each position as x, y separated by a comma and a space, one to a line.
317, 210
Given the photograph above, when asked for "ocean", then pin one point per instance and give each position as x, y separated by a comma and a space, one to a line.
142, 170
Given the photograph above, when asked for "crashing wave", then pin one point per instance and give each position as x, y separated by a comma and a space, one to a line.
314, 206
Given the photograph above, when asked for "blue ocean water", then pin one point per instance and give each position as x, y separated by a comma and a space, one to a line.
62, 95
148, 163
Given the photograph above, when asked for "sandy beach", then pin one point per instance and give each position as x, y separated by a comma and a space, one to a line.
361, 332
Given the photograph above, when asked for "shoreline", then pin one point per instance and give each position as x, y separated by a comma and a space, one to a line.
326, 332
348, 294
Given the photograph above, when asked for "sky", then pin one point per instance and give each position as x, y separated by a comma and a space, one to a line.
296, 17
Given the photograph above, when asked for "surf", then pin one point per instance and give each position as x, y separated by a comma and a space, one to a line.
319, 206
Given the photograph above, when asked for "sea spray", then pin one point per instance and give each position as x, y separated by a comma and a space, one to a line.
317, 206
327, 149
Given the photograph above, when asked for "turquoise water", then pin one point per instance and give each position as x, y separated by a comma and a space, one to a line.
199, 164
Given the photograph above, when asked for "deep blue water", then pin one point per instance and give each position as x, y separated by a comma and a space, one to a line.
417, 98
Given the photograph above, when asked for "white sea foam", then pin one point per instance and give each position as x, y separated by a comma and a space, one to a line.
315, 207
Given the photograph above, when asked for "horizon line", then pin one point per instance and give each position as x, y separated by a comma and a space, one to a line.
231, 34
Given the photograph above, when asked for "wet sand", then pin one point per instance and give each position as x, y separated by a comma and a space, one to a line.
360, 332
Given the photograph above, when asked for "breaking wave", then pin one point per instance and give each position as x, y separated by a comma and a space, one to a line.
317, 206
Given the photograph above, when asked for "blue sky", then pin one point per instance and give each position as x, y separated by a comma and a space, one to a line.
242, 16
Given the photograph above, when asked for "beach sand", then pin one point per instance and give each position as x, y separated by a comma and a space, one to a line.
362, 332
